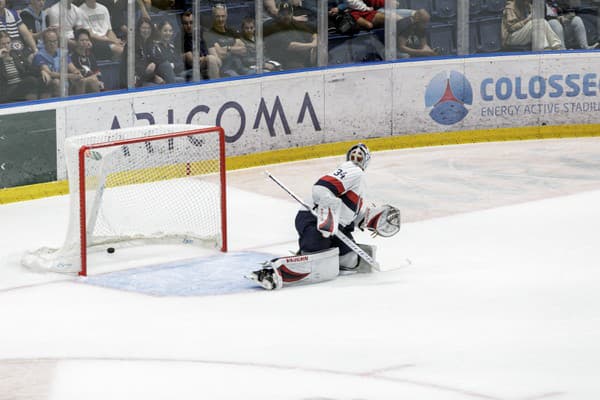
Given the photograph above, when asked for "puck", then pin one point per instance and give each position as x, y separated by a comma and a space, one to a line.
110, 250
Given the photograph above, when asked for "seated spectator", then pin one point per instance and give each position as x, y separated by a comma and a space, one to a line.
412, 35
47, 62
292, 43
166, 5
106, 44
366, 13
517, 27
168, 60
567, 25
272, 11
209, 64
21, 38
246, 64
83, 59
144, 68
75, 20
16, 82
222, 41
33, 17
117, 9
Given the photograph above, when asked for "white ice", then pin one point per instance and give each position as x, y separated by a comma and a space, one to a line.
502, 300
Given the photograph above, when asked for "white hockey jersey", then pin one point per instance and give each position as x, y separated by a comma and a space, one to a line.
345, 183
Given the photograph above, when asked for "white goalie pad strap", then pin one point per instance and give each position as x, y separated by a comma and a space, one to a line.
383, 221
308, 268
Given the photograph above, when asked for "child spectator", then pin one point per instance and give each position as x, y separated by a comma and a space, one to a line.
83, 59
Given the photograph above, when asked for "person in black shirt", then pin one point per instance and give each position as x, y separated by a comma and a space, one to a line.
143, 67
289, 39
33, 17
222, 41
83, 59
167, 58
412, 35
209, 64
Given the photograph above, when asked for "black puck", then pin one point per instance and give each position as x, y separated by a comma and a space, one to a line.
110, 250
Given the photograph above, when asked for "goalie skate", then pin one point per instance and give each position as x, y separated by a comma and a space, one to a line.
266, 277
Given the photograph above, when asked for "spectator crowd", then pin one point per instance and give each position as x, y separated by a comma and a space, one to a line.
165, 51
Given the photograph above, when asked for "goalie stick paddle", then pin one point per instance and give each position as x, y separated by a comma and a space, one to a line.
347, 241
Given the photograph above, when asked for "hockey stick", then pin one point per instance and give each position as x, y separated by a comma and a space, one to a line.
340, 235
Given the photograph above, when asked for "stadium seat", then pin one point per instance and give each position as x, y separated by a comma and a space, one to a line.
17, 4
474, 7
590, 20
110, 74
493, 7
236, 13
444, 9
474, 42
441, 37
490, 35
418, 4
363, 47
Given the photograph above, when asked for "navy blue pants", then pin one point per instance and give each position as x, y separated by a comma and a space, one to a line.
310, 239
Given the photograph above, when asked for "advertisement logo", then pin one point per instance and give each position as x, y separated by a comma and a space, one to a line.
446, 96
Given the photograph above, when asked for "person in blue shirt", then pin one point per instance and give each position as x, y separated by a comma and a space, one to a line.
47, 62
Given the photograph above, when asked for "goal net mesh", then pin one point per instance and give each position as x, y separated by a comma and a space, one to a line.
152, 184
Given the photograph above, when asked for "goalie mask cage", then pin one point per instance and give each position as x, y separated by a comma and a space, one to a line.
151, 184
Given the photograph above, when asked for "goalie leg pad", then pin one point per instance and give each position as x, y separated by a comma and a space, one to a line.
358, 265
308, 267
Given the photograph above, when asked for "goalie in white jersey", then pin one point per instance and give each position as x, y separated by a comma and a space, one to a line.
338, 204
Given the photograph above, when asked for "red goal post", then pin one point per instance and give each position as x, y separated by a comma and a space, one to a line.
153, 184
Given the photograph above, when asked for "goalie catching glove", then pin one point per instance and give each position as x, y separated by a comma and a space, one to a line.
383, 221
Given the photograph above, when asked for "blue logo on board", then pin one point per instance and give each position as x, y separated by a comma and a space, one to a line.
446, 96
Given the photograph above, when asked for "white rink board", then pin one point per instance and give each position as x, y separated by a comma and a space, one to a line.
286, 110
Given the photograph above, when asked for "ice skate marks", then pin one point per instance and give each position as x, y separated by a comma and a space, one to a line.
215, 275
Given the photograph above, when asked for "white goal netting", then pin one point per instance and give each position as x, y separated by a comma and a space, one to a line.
152, 184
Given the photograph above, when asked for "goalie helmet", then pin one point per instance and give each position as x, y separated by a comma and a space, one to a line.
383, 221
360, 155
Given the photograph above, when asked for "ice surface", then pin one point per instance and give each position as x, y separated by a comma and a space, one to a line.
502, 300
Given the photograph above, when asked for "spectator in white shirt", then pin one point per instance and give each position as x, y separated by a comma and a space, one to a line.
97, 18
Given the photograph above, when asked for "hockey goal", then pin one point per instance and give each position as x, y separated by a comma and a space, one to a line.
152, 184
